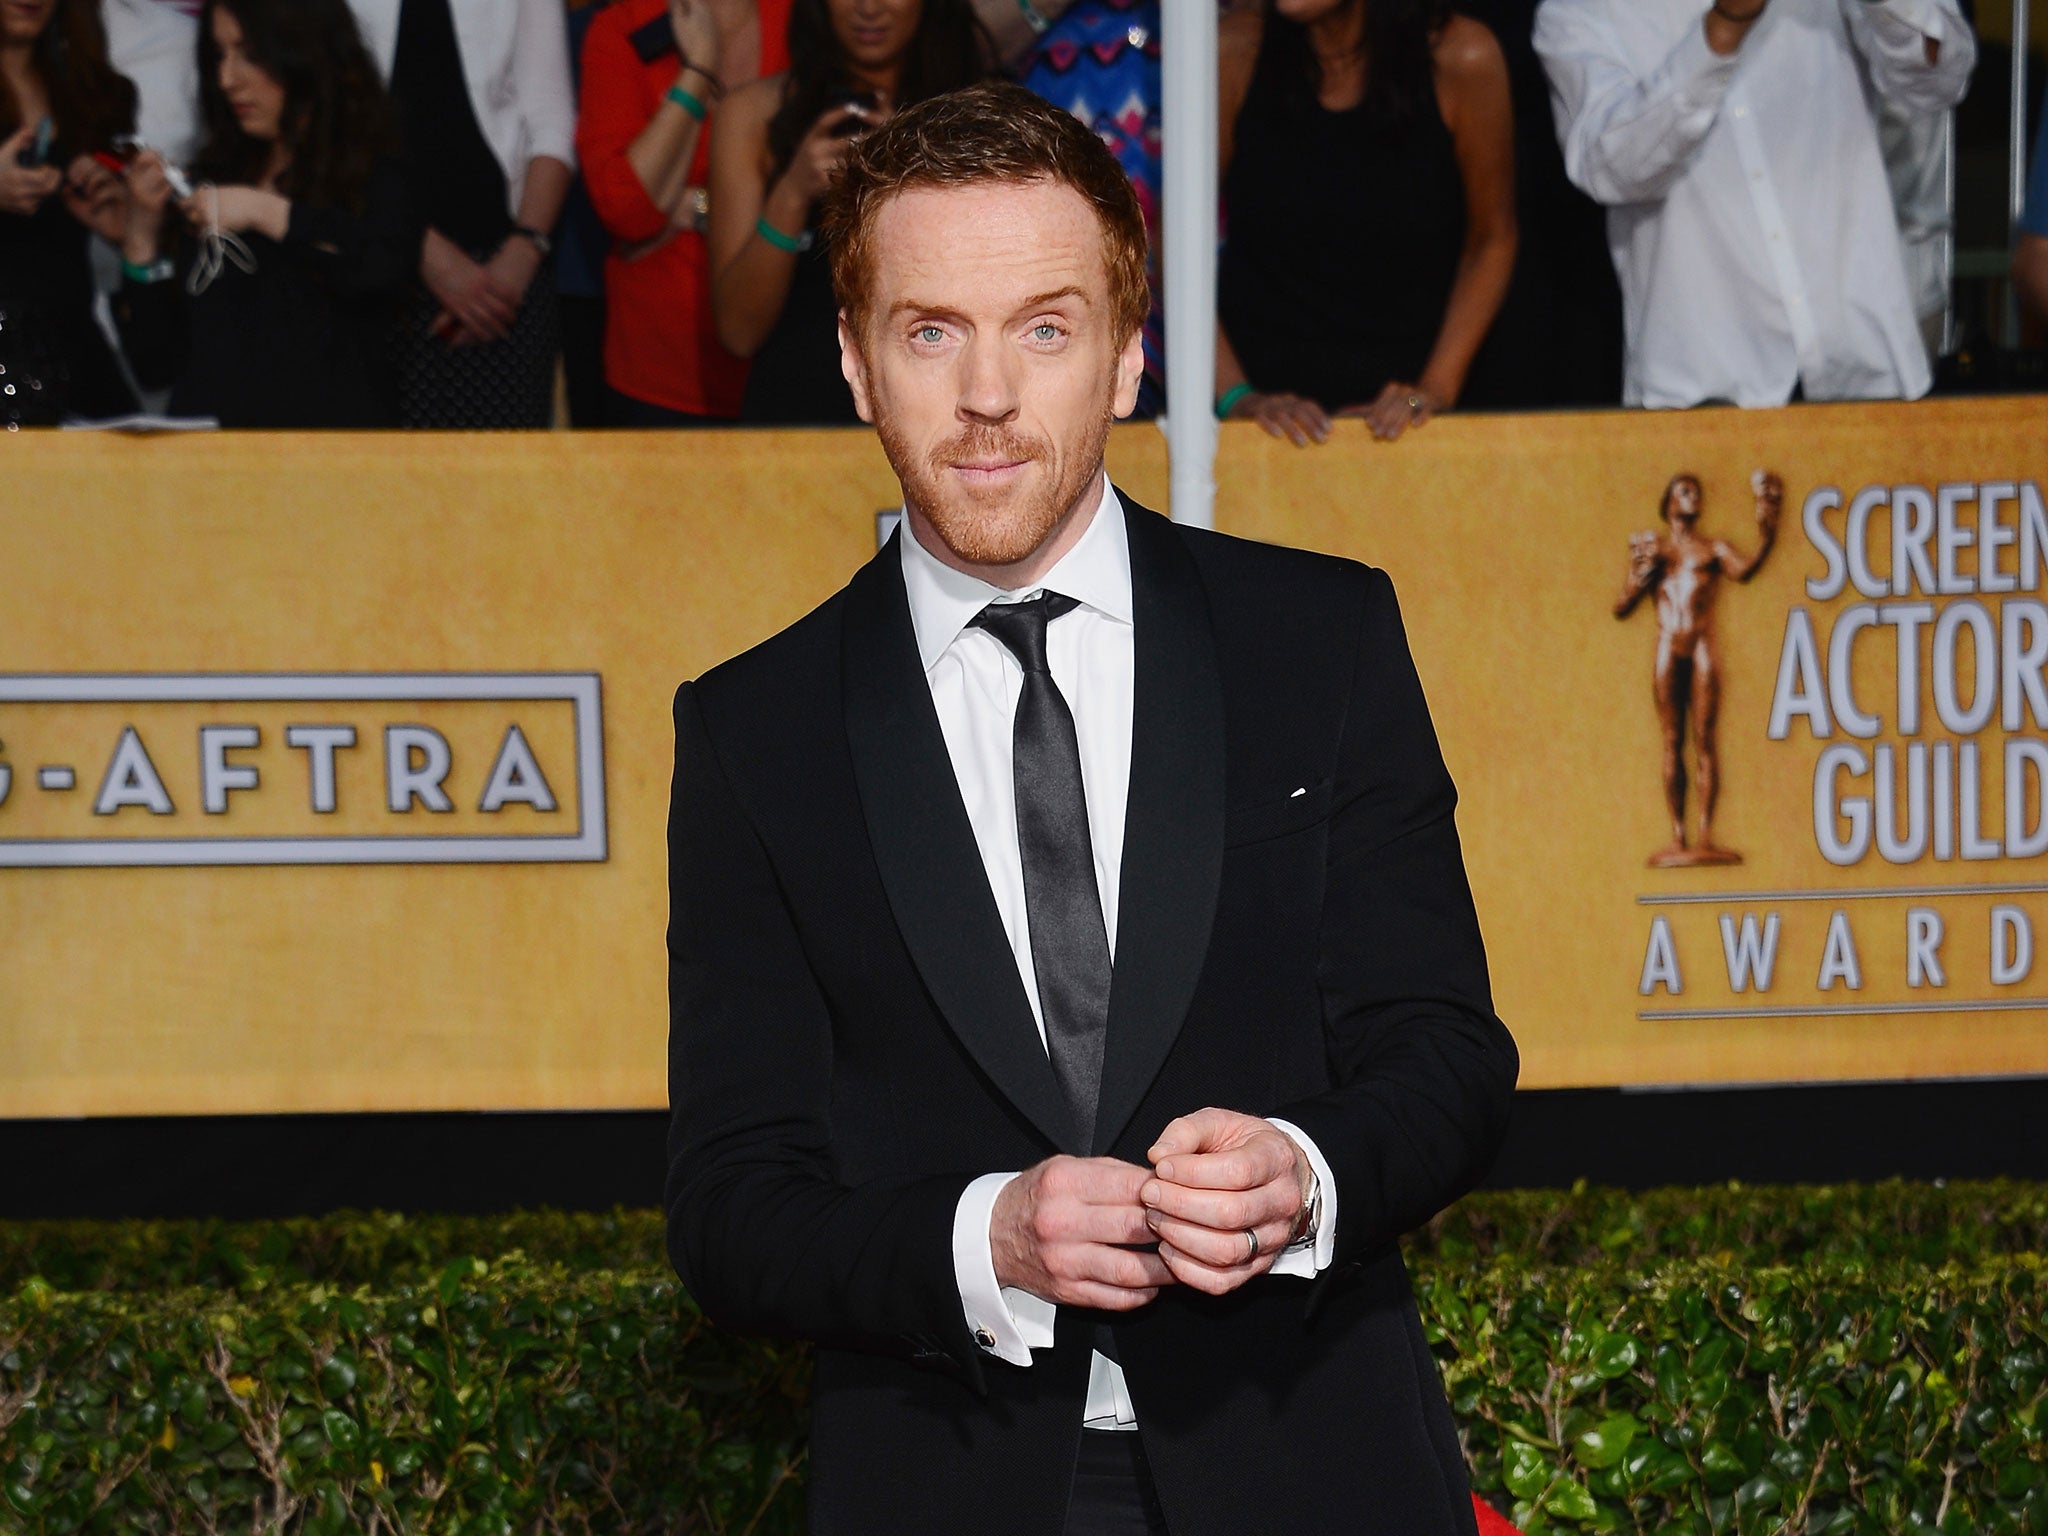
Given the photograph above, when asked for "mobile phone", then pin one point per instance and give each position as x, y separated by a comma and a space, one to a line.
852, 123
37, 154
180, 183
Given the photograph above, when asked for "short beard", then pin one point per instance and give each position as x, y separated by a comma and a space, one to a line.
1001, 531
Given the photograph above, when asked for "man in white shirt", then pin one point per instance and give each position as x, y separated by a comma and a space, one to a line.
1074, 986
1736, 149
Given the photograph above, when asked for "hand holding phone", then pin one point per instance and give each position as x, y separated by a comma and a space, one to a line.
24, 186
132, 149
37, 152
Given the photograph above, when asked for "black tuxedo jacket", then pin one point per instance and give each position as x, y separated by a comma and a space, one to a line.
850, 1045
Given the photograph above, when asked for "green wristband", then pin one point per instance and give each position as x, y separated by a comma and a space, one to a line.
155, 272
775, 237
687, 102
1228, 402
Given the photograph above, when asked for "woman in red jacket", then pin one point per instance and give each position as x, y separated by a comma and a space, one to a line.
653, 74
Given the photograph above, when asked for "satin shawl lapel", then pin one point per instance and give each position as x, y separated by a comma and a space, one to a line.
1173, 830
925, 849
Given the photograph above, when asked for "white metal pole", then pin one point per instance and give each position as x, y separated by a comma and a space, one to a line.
1188, 229
2016, 162
1947, 345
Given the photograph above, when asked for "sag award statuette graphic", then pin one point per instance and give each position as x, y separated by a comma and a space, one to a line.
1686, 569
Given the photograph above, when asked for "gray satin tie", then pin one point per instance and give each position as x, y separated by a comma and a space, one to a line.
1062, 903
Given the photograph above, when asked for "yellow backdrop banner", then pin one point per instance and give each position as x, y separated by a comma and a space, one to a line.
334, 769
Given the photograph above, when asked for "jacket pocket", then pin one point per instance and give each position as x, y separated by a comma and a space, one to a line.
1264, 820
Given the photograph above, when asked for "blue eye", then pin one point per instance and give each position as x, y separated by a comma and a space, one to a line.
1045, 330
930, 335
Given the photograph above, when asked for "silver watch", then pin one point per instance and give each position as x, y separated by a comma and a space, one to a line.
1313, 1205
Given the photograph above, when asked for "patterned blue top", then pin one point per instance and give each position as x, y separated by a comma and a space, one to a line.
2035, 220
1100, 61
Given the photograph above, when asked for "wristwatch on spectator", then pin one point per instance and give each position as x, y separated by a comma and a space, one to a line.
539, 238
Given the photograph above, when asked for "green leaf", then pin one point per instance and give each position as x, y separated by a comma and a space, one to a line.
1615, 1355
1525, 1469
342, 1432
1603, 1444
338, 1376
1722, 1466
1760, 1492
1569, 1501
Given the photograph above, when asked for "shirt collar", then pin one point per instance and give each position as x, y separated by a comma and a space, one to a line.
1095, 572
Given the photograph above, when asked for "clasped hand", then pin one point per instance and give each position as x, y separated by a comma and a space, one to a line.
1078, 1231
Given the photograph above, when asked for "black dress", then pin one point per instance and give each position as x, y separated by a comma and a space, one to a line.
794, 380
54, 359
1342, 242
297, 342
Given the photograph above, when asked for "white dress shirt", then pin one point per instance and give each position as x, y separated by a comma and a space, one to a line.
1748, 213
975, 683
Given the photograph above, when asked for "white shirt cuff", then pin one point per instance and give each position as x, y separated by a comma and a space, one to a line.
1309, 1259
1006, 1322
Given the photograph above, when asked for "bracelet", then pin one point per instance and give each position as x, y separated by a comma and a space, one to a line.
1741, 21
156, 272
775, 237
713, 86
1228, 401
687, 102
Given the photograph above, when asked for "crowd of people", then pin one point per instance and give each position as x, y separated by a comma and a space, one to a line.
360, 213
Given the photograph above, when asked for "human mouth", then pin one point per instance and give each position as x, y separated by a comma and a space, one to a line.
987, 472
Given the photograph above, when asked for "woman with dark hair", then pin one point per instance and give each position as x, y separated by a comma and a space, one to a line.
1367, 149
61, 104
778, 144
273, 310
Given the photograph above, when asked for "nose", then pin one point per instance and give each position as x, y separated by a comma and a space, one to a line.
988, 380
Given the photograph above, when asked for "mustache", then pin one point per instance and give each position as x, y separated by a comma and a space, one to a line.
985, 441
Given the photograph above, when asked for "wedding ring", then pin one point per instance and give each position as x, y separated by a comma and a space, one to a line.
1414, 404
1251, 1236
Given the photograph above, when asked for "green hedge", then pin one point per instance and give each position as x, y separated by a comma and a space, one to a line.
1940, 1223
1827, 1398
1931, 1223
573, 1387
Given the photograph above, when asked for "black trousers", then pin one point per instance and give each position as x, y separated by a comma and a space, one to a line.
1113, 1493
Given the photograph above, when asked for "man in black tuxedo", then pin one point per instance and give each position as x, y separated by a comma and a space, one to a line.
1075, 986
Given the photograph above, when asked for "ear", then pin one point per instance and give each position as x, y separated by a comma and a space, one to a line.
1130, 369
853, 366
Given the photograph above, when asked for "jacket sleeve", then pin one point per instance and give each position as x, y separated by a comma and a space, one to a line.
1626, 138
612, 118
540, 71
371, 251
1423, 1071
1892, 36
761, 1225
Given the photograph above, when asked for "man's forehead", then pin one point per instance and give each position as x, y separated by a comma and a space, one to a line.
987, 243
